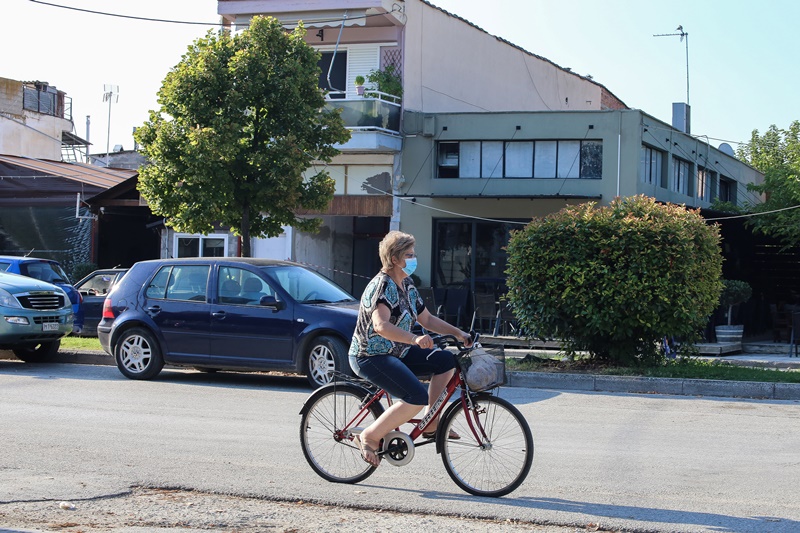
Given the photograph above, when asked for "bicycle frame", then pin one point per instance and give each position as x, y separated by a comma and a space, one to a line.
456, 382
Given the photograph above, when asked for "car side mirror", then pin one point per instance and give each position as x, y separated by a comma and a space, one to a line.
272, 302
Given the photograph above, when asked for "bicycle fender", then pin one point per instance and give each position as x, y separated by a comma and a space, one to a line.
325, 389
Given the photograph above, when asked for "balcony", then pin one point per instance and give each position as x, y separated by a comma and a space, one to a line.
373, 112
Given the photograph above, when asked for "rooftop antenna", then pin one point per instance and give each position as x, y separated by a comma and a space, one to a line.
683, 35
110, 94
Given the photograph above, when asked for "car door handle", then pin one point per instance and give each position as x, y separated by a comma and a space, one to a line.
218, 314
154, 310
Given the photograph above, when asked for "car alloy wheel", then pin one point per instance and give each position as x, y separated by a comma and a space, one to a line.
326, 356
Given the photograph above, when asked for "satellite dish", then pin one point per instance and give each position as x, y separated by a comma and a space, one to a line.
725, 148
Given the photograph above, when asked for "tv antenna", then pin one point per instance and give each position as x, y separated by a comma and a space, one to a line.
683, 35
110, 94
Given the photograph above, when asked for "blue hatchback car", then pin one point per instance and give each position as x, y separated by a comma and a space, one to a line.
51, 272
228, 313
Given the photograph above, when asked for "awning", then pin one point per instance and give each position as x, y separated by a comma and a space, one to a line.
37, 182
71, 139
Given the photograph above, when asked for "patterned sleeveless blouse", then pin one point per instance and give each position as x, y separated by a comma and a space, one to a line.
404, 305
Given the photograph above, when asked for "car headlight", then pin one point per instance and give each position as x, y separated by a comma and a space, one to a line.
7, 300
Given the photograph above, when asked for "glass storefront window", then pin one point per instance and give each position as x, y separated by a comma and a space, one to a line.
472, 255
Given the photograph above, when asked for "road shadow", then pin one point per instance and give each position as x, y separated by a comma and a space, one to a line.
647, 518
177, 375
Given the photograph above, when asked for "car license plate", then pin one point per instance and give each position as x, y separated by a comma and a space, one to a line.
50, 326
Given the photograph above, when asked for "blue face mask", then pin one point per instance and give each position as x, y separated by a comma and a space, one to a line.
411, 266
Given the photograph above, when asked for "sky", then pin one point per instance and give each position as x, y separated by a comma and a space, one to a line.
742, 69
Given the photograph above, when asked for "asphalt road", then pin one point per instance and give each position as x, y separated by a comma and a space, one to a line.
632, 462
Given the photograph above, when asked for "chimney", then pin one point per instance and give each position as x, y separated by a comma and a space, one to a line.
682, 117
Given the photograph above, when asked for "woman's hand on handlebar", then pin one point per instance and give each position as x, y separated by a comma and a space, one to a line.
468, 338
423, 341
462, 341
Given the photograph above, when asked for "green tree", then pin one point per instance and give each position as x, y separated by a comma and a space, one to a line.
777, 155
241, 121
612, 281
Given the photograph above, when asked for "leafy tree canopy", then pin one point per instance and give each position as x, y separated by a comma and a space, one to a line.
613, 281
777, 155
240, 123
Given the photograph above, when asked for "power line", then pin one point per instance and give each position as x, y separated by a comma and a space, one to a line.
107, 14
395, 9
749, 215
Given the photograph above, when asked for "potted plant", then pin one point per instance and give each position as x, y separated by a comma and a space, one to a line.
387, 80
360, 85
733, 293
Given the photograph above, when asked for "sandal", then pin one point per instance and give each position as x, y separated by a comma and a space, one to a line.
365, 450
432, 435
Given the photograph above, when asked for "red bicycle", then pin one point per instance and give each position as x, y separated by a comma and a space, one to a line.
492, 457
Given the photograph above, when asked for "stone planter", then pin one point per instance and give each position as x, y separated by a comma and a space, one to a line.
729, 334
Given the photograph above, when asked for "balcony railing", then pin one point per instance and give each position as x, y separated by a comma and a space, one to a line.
373, 112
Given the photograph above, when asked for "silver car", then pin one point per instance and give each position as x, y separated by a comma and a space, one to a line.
34, 316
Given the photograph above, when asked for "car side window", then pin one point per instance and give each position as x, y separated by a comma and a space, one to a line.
188, 282
4, 266
97, 284
158, 285
240, 286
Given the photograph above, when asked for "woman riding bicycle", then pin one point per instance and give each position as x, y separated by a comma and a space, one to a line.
385, 352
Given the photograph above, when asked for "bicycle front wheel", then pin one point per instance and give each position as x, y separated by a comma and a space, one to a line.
326, 435
499, 461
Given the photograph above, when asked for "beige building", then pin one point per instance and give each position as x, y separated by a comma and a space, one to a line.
459, 163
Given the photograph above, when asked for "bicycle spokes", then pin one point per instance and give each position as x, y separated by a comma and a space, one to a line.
498, 460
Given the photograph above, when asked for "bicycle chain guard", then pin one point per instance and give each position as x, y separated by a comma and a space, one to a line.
398, 448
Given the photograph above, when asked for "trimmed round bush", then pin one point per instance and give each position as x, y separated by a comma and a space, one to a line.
612, 281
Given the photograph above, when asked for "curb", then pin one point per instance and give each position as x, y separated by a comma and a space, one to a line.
643, 385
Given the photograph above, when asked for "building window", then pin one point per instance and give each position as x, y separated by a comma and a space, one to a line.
448, 160
338, 73
520, 159
471, 255
650, 166
704, 180
680, 176
201, 245
43, 99
727, 190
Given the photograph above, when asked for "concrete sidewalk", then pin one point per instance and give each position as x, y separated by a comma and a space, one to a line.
765, 355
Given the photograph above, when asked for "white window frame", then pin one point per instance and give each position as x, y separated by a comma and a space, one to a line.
650, 166
680, 176
704, 178
223, 236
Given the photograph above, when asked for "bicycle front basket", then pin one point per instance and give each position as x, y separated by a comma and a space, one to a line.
485, 368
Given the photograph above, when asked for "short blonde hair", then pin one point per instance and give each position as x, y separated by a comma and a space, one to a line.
393, 245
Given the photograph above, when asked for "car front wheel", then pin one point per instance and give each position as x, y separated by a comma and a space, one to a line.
36, 353
138, 355
326, 355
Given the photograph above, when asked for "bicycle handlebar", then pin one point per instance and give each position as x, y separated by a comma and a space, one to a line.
442, 341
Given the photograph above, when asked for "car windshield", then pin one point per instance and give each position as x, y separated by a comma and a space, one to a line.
306, 286
44, 271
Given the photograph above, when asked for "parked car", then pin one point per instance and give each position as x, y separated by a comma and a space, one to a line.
228, 314
93, 289
34, 316
49, 271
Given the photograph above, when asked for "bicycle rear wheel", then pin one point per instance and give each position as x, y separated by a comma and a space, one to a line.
327, 445
498, 464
